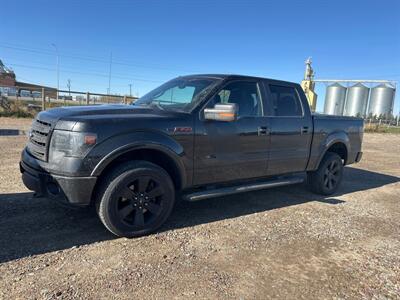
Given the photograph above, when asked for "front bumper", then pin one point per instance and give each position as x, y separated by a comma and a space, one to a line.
69, 190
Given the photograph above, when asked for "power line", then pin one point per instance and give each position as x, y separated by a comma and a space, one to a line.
109, 75
24, 62
95, 59
83, 73
65, 87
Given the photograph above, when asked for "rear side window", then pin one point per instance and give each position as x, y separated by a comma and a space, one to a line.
285, 101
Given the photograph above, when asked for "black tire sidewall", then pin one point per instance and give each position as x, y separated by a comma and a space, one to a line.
316, 179
107, 206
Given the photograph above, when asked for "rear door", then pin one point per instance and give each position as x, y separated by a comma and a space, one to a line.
290, 128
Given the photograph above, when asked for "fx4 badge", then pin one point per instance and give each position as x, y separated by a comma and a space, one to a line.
180, 130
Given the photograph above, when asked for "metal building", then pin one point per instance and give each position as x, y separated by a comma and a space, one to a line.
357, 100
334, 99
381, 100
7, 76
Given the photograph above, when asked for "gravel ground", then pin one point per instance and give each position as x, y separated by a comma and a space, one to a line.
281, 243
15, 123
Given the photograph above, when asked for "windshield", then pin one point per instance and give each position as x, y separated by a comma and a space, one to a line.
179, 94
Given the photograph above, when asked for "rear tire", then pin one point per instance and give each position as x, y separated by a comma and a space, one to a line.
135, 199
327, 178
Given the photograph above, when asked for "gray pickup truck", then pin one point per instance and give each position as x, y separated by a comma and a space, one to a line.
198, 137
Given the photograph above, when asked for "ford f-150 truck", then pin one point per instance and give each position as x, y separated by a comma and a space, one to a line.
192, 138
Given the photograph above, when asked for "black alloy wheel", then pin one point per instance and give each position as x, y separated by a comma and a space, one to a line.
331, 175
139, 202
327, 178
137, 198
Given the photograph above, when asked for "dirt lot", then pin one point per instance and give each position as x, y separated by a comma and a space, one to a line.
281, 243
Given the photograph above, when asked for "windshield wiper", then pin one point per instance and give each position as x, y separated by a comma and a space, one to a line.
150, 104
156, 104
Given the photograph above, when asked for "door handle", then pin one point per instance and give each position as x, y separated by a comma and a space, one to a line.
262, 130
304, 129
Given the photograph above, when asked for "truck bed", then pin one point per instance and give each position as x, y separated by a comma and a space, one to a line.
327, 128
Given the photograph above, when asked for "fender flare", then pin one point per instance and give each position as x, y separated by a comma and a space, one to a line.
331, 139
166, 145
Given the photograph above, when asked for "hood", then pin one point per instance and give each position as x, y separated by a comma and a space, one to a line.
99, 110
78, 117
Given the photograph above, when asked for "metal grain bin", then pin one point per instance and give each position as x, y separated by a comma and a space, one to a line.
357, 100
381, 100
334, 99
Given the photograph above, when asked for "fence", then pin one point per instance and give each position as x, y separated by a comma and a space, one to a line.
383, 122
34, 99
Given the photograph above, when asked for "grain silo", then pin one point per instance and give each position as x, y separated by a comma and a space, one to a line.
334, 99
381, 100
357, 100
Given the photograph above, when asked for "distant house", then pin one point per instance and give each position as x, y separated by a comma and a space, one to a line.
7, 76
10, 86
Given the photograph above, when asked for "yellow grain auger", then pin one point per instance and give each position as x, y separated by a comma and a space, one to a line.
308, 85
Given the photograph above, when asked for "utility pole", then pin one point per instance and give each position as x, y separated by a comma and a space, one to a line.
398, 119
69, 86
130, 89
109, 76
58, 68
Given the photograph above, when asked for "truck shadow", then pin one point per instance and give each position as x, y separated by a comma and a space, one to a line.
210, 210
9, 132
30, 226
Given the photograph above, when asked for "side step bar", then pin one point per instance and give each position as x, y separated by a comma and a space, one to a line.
218, 192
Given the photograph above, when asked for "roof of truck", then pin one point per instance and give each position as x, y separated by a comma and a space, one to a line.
236, 76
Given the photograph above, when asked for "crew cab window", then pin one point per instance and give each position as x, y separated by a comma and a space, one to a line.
285, 101
244, 93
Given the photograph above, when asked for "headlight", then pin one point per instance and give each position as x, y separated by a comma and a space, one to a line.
71, 144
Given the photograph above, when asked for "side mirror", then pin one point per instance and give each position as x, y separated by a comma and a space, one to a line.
221, 112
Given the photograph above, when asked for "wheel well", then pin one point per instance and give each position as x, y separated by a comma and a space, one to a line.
154, 156
340, 149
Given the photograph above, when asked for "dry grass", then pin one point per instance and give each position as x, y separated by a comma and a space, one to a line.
376, 128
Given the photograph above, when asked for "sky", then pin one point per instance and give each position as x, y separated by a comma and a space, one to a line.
148, 42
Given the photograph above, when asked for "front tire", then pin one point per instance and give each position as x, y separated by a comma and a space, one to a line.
136, 198
327, 178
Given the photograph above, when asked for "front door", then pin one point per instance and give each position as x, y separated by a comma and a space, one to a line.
227, 151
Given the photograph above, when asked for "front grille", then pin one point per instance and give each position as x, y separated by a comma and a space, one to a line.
39, 139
